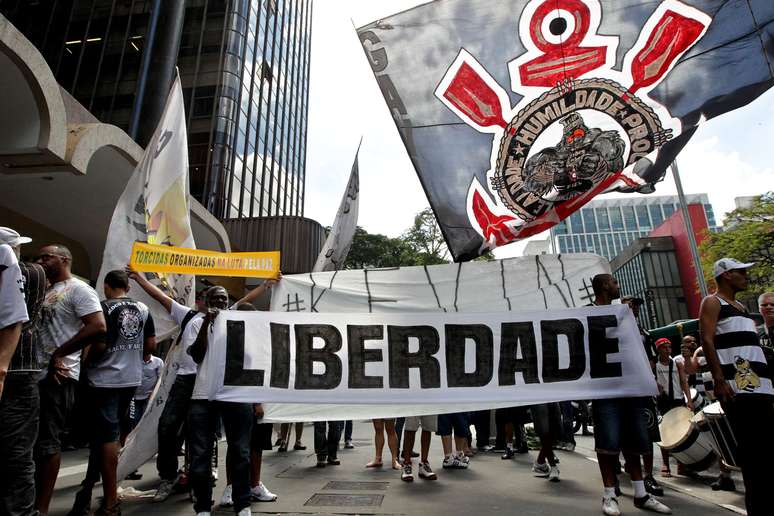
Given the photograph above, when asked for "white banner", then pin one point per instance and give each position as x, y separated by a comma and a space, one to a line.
334, 252
425, 358
154, 208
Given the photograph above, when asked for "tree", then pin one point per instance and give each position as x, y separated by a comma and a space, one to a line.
748, 236
375, 251
426, 239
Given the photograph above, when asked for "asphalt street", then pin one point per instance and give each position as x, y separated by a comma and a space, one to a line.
490, 486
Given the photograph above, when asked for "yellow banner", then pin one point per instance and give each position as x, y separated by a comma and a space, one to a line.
177, 260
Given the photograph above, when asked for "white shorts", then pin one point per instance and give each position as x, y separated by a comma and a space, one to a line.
428, 423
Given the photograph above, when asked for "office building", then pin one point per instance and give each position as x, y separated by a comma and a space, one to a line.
606, 226
244, 67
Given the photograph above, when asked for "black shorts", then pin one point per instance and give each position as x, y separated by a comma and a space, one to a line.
106, 409
547, 418
56, 404
261, 438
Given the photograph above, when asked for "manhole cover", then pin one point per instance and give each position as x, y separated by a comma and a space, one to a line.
345, 500
346, 485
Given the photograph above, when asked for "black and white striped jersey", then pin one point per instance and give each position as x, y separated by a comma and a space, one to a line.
739, 351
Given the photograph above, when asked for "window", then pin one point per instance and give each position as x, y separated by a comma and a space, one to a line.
629, 219
642, 216
576, 226
655, 214
589, 224
616, 219
603, 221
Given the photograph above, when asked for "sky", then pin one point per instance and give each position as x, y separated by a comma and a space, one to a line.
728, 157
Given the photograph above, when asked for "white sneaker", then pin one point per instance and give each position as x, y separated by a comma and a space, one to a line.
541, 470
260, 493
426, 472
203, 513
226, 500
164, 490
553, 475
651, 503
245, 512
610, 506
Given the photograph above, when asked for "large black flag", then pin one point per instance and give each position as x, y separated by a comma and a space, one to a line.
517, 112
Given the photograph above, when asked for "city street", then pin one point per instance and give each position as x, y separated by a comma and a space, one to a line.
491, 486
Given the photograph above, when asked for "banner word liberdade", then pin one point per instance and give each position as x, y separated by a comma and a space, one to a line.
166, 259
536, 357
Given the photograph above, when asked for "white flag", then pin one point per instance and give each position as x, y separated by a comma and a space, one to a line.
339, 240
155, 208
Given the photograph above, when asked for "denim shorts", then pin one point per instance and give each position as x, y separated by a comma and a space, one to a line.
56, 403
621, 425
457, 421
107, 408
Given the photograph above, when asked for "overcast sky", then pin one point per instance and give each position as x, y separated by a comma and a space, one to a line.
729, 156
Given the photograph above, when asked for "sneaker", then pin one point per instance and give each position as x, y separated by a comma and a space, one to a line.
570, 447
299, 447
448, 462
134, 475
245, 512
204, 513
426, 472
461, 462
610, 506
553, 474
407, 475
348, 444
485, 448
650, 503
509, 453
226, 500
82, 504
322, 462
723, 484
541, 470
653, 487
164, 490
334, 462
260, 493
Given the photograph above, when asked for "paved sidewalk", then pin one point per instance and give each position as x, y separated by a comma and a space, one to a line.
490, 487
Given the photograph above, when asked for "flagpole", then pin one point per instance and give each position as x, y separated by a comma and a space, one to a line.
689, 229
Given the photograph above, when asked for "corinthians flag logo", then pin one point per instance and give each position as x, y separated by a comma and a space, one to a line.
516, 113
580, 125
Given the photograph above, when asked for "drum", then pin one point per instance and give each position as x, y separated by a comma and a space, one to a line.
723, 438
683, 439
698, 400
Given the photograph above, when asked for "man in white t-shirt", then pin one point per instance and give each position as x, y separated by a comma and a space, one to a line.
71, 315
13, 308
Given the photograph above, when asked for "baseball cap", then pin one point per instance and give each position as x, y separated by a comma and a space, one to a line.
663, 341
633, 300
728, 264
12, 238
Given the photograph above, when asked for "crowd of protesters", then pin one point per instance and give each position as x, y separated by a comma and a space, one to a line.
59, 343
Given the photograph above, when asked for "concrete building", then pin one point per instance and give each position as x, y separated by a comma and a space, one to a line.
61, 169
606, 226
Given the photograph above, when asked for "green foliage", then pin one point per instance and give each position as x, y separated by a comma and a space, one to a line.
748, 236
421, 244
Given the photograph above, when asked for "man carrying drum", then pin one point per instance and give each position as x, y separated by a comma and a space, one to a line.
672, 385
742, 378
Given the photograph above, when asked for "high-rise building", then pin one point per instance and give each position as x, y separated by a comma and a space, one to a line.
244, 68
606, 226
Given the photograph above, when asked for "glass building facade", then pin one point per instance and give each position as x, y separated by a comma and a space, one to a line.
649, 270
244, 67
606, 226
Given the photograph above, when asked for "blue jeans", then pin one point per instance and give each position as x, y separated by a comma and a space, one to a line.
171, 424
568, 436
347, 430
19, 418
202, 424
327, 446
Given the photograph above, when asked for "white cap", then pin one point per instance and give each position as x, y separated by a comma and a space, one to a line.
12, 238
728, 264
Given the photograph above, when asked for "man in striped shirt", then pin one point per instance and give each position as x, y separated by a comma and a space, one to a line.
742, 378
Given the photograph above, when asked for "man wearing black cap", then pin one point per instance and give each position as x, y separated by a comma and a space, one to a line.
742, 379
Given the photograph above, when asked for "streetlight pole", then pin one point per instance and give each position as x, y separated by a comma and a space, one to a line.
689, 229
